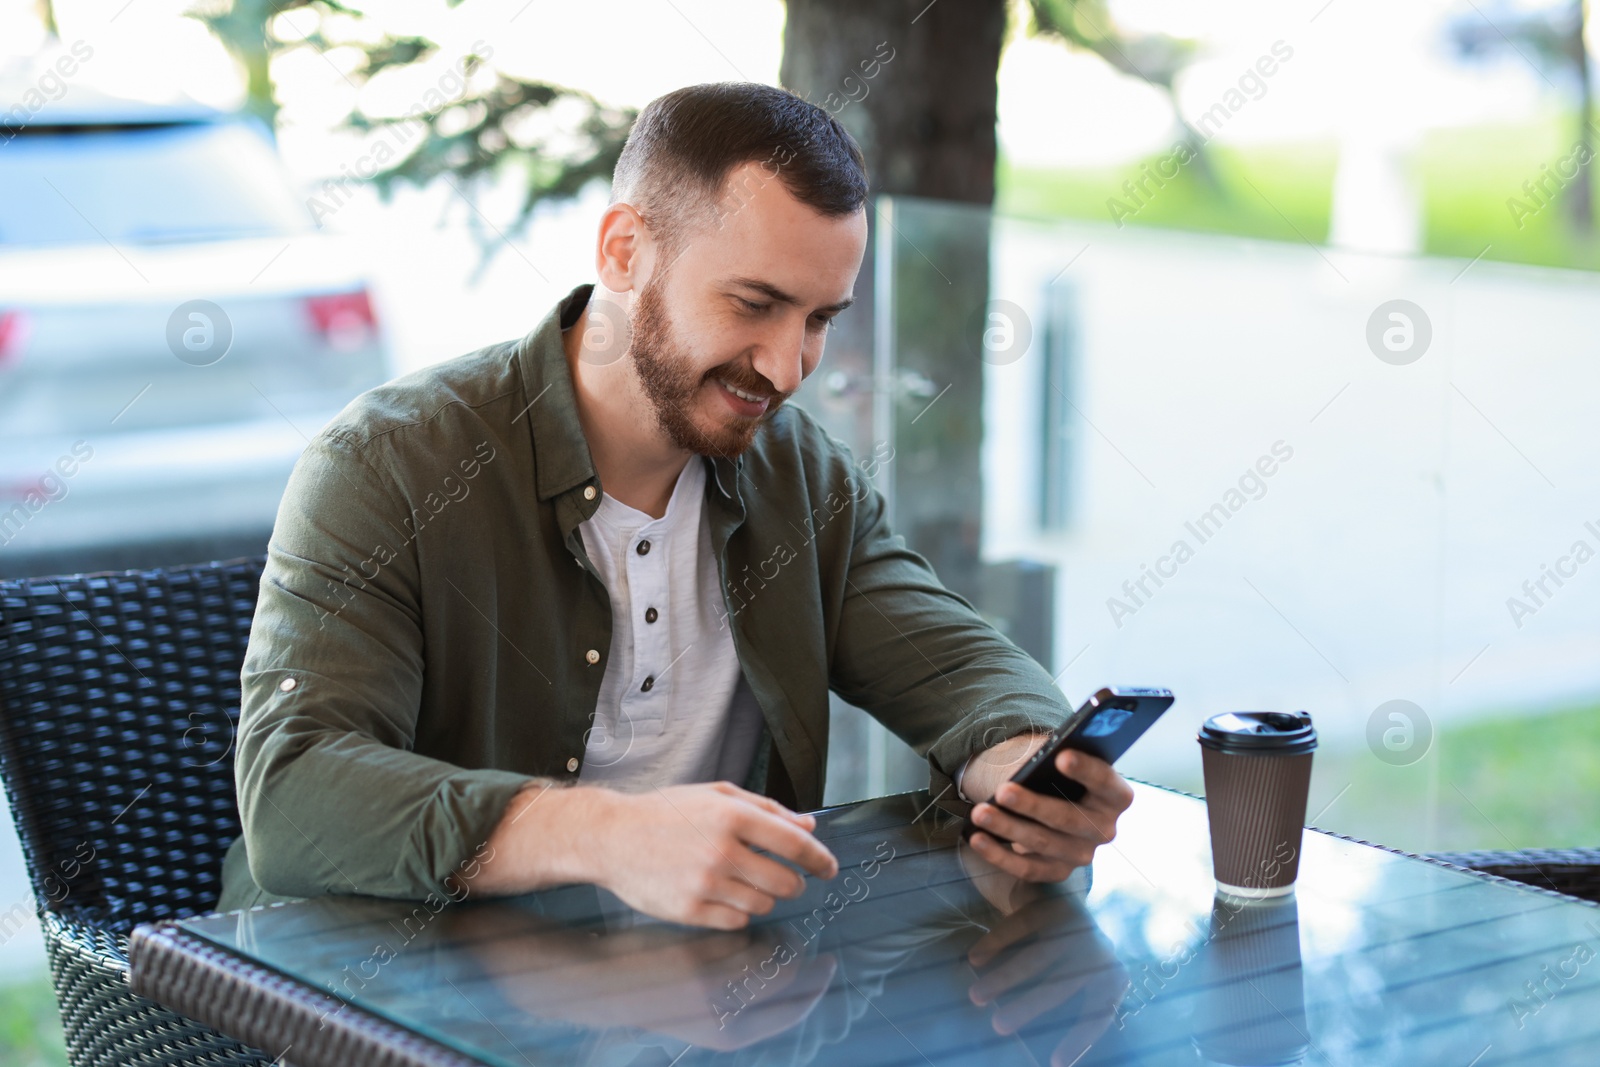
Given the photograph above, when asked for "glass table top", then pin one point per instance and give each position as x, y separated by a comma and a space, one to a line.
915, 954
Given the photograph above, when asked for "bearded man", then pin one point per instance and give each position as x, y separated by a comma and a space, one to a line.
568, 609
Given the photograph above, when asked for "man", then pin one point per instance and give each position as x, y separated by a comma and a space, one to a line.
529, 614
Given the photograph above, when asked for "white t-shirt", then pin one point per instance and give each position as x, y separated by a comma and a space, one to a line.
674, 705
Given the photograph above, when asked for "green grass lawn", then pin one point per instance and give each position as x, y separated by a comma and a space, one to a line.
1468, 178
1464, 178
1281, 192
1513, 782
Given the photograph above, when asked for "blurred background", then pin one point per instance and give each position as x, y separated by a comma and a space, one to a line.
1246, 349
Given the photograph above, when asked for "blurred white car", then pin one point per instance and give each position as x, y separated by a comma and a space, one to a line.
173, 327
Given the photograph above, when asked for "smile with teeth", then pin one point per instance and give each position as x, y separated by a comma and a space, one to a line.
742, 395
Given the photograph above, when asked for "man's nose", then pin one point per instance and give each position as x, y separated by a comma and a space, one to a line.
780, 358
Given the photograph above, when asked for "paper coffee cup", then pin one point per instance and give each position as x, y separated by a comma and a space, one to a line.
1258, 772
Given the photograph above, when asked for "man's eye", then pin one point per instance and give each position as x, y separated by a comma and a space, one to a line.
821, 323
751, 305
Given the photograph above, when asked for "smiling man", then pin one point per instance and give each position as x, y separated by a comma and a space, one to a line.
529, 615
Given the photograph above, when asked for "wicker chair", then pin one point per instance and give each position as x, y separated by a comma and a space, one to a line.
1573, 871
118, 699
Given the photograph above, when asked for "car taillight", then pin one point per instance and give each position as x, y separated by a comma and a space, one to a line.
345, 320
12, 328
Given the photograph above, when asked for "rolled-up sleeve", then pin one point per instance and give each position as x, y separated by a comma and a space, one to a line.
922, 661
330, 797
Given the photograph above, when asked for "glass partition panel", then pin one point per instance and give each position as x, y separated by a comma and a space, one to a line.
1272, 475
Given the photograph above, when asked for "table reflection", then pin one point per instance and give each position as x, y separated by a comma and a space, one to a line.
920, 952
1252, 1008
1018, 972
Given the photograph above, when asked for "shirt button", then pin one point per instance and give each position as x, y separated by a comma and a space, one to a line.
592, 656
643, 548
650, 615
287, 684
572, 764
649, 684
588, 492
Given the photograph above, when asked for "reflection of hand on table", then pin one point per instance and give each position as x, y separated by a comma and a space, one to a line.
670, 981
1045, 950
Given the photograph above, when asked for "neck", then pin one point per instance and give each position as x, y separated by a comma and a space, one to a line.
637, 463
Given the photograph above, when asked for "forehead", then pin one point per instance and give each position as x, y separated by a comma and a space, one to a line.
759, 229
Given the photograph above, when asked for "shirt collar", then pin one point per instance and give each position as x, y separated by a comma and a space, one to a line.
550, 404
561, 457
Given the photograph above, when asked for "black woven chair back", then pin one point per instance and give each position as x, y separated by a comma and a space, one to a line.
119, 697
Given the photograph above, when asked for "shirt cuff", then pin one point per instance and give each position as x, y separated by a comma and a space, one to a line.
961, 773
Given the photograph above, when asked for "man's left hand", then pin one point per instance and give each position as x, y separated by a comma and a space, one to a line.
1050, 837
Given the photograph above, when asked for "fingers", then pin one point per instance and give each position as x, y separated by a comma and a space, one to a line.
1030, 836
1076, 1042
739, 894
1034, 1002
767, 875
767, 803
1106, 787
784, 839
1011, 929
1078, 819
1018, 969
1029, 868
717, 916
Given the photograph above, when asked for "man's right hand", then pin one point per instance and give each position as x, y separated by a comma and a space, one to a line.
687, 853
684, 853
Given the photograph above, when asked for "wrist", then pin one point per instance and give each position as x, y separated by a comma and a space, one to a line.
543, 839
584, 826
985, 772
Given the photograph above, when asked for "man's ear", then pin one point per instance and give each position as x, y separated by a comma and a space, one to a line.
621, 256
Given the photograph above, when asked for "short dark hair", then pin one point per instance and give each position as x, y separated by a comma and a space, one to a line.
682, 146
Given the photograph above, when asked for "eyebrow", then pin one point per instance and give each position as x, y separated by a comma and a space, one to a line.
782, 297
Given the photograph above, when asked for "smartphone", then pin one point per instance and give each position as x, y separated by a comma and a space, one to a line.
1106, 726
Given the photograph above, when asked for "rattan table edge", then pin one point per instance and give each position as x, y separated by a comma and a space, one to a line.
269, 1010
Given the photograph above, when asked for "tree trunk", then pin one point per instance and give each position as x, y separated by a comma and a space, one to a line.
914, 82
927, 119
1582, 193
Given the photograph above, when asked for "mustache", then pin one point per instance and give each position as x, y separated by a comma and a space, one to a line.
746, 379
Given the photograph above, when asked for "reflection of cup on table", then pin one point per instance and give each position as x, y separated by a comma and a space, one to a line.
1252, 1008
1258, 772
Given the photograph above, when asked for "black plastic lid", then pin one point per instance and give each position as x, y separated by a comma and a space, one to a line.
1278, 733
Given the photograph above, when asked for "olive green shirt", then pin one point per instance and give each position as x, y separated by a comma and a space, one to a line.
431, 635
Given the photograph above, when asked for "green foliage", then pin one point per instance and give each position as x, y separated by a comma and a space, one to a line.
394, 52
30, 1027
558, 138
245, 29
1155, 58
1088, 25
487, 130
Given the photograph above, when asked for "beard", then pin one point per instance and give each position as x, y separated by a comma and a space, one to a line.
666, 371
